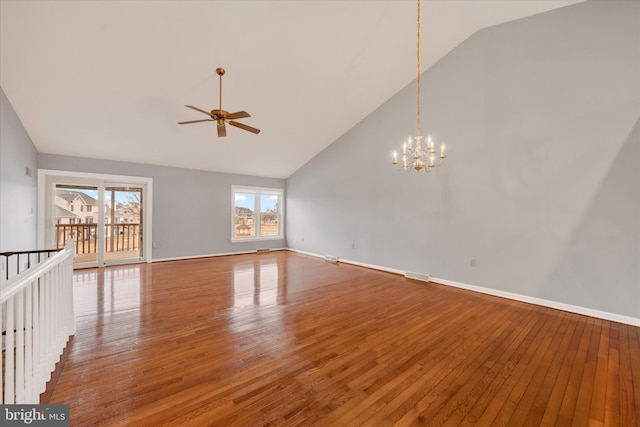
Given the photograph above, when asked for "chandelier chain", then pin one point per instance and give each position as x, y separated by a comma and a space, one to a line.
418, 75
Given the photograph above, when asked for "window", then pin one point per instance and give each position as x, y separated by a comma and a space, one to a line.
81, 208
257, 213
88, 208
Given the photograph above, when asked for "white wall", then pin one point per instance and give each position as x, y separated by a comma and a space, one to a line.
541, 185
18, 192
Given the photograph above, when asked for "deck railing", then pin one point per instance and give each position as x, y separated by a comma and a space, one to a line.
37, 319
118, 237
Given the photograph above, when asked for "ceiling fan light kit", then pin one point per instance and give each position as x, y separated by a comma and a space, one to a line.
221, 117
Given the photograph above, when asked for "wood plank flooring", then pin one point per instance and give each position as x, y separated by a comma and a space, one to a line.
286, 339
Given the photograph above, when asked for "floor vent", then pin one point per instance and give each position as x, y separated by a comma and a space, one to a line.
417, 276
331, 258
262, 250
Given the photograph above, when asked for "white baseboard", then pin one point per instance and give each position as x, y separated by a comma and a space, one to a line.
298, 251
182, 258
509, 295
373, 267
346, 261
543, 302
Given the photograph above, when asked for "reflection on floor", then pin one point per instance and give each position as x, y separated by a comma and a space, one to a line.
107, 290
255, 283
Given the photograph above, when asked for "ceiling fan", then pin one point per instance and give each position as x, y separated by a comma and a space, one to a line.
221, 116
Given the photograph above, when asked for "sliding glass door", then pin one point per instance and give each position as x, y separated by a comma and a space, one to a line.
76, 217
123, 224
104, 219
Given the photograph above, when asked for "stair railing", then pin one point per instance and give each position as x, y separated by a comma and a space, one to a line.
37, 319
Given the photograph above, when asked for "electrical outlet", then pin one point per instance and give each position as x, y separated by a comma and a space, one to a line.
472, 262
353, 246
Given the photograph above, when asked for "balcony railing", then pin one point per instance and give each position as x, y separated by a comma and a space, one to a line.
118, 237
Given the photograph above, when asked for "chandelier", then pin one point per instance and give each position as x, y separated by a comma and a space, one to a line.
421, 156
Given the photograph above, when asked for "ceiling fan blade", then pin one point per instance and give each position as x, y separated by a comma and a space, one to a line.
196, 121
222, 130
245, 127
238, 115
198, 109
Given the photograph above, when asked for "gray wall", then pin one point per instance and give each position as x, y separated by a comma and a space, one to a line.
18, 192
191, 208
541, 184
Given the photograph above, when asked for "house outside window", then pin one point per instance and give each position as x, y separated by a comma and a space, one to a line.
256, 213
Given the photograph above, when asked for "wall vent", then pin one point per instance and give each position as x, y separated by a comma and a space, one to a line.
417, 276
331, 258
262, 250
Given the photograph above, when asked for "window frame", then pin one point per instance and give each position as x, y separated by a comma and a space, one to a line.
257, 192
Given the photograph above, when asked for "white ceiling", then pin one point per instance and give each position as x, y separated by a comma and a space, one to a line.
109, 79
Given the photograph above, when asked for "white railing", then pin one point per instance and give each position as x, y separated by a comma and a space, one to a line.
37, 319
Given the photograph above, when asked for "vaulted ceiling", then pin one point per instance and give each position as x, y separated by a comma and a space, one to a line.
109, 79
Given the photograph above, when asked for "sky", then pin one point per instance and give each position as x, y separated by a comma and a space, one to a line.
246, 201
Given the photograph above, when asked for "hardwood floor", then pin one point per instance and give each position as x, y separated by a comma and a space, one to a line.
285, 339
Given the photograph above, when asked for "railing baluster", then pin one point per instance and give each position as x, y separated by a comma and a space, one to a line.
43, 326
9, 376
2, 352
47, 316
37, 344
28, 344
19, 313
